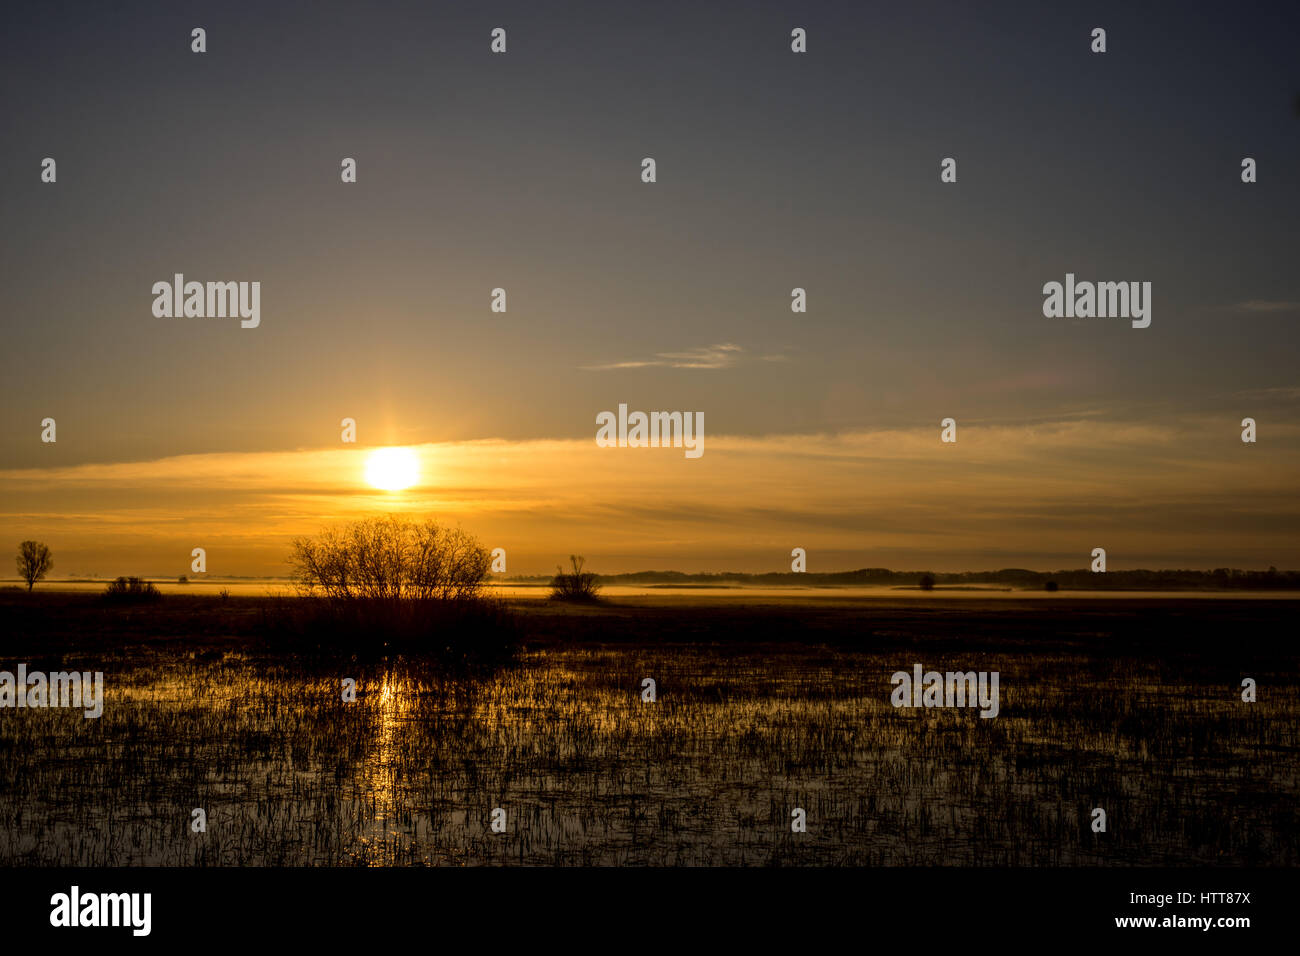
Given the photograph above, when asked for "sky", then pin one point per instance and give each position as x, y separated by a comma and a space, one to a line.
775, 170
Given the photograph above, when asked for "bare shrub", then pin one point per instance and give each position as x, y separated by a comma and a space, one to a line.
131, 591
576, 586
391, 558
390, 585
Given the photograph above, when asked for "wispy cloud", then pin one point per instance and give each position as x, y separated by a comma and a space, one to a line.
1281, 393
1265, 306
724, 355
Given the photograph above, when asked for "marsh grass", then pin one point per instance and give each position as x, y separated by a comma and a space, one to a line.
409, 773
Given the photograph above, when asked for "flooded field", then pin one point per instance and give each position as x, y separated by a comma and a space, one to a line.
686, 592
741, 733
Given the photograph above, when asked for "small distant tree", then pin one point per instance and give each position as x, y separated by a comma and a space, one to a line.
927, 582
576, 586
34, 562
1052, 586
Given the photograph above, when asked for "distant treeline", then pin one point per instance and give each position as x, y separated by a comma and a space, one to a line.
1076, 579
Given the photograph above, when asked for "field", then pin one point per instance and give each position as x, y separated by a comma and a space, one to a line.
763, 705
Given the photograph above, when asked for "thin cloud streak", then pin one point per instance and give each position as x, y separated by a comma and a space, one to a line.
1266, 306
725, 355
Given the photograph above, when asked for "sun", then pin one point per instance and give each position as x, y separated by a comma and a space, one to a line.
392, 469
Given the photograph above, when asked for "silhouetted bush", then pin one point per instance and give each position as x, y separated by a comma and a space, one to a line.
393, 559
131, 591
389, 586
577, 586
1051, 586
927, 582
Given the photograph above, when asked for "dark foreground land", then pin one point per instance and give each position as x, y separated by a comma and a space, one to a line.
1132, 705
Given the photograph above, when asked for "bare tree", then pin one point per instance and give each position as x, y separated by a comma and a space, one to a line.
579, 586
391, 558
34, 562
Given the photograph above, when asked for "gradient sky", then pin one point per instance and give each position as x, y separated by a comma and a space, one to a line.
775, 170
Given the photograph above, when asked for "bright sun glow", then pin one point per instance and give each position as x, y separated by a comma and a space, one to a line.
392, 469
